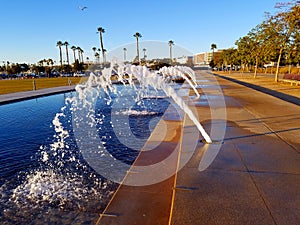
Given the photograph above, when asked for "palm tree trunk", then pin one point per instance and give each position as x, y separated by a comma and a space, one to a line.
171, 55
101, 43
67, 52
278, 62
137, 49
60, 56
79, 58
74, 55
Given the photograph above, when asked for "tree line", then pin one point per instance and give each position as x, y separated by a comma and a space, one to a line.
276, 39
47, 66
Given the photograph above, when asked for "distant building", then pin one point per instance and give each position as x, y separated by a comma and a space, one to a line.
204, 58
185, 60
199, 59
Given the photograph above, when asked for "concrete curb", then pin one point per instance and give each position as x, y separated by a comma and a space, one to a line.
280, 95
25, 95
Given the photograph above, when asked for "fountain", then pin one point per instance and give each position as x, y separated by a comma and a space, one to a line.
180, 71
151, 78
68, 162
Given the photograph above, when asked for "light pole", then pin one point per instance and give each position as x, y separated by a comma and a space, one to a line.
144, 50
124, 49
171, 43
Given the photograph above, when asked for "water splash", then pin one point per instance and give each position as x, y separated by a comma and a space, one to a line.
65, 180
181, 71
148, 78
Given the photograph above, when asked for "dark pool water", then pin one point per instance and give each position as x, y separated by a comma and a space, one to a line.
24, 127
41, 183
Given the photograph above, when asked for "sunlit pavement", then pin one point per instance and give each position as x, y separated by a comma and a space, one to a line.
253, 179
251, 175
24, 95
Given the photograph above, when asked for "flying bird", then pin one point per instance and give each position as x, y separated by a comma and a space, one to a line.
82, 8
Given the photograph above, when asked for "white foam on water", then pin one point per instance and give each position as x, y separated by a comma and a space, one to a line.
49, 188
64, 181
131, 112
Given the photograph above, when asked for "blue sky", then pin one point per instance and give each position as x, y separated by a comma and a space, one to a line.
31, 28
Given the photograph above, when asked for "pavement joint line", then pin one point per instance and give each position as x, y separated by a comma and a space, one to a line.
176, 172
281, 138
251, 171
132, 171
276, 133
101, 215
254, 183
186, 188
108, 214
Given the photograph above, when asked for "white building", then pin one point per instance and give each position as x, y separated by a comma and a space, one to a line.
202, 58
185, 60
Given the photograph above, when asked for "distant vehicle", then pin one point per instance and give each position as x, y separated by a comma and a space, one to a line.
54, 74
30, 76
271, 64
79, 75
66, 74
3, 76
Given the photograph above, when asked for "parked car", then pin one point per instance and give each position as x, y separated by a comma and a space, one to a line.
3, 76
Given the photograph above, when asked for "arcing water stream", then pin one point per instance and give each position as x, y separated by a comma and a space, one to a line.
67, 177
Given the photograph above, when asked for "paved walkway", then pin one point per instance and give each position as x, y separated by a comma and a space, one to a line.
250, 176
19, 96
265, 83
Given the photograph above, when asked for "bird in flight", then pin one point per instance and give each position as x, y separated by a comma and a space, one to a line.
82, 8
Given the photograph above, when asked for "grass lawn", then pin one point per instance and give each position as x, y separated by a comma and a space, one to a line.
11, 86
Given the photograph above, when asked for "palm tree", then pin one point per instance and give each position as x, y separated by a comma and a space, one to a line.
50, 62
59, 44
171, 43
101, 31
213, 47
104, 55
67, 51
97, 56
41, 62
74, 55
79, 54
124, 49
137, 35
94, 50
49, 69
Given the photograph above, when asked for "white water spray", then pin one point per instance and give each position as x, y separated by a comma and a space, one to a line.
178, 72
146, 77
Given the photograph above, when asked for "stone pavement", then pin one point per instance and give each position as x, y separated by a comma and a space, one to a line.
255, 178
265, 83
19, 96
249, 175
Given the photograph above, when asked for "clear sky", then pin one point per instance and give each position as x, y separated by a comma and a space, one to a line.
31, 28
